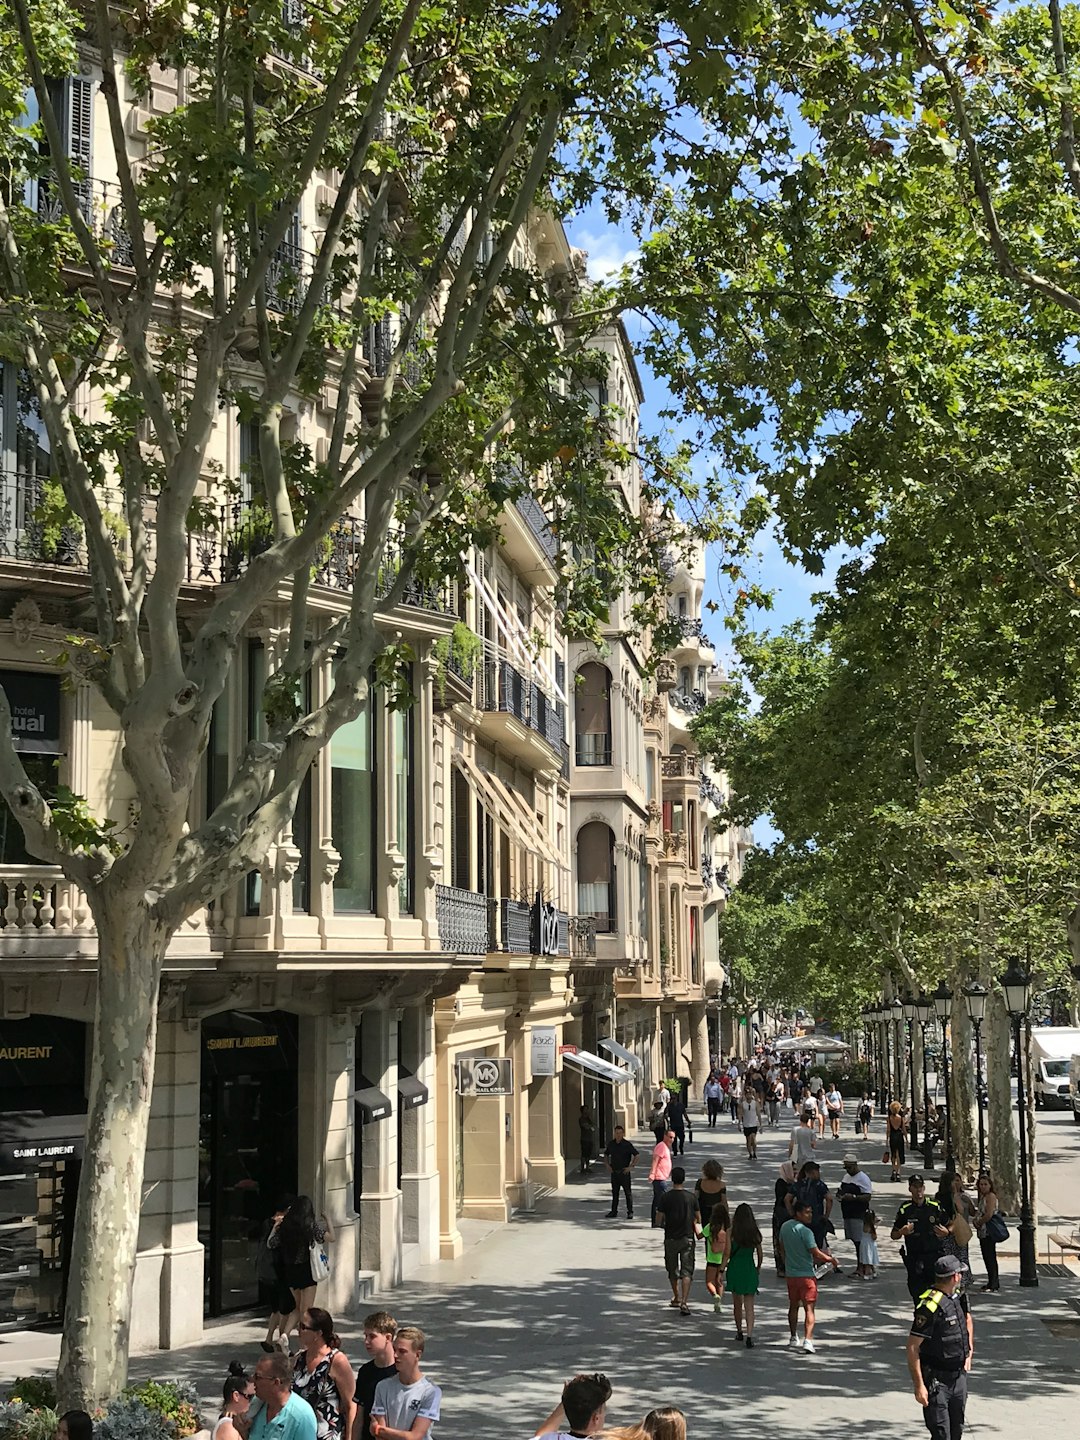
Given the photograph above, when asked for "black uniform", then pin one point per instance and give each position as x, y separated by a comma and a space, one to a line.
941, 1321
619, 1155
922, 1247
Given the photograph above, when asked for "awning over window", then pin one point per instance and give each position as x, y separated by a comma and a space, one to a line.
29, 1139
411, 1092
372, 1104
593, 1065
620, 1051
511, 811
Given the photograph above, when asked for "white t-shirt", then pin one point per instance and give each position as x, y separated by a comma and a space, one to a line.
815, 1084
835, 1100
399, 1405
748, 1111
861, 1179
803, 1136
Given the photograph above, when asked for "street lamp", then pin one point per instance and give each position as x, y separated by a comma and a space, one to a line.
1016, 983
943, 1006
909, 1008
924, 1008
975, 1000
896, 1010
883, 1047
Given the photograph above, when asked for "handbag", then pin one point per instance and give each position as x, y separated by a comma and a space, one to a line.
886, 1157
961, 1230
320, 1264
997, 1232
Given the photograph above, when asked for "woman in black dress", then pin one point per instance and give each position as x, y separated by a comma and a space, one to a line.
293, 1237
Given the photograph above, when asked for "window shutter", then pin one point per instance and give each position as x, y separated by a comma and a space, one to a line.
79, 126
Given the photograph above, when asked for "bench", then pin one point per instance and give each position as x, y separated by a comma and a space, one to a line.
1070, 1243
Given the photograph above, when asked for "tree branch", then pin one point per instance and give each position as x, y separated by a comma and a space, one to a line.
1068, 128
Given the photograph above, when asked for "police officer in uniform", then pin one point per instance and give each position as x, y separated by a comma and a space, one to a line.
920, 1224
939, 1351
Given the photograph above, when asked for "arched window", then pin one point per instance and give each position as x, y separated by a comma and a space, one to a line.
596, 875
592, 715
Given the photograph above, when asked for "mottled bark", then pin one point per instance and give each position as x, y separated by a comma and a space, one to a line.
962, 1085
1001, 1138
94, 1352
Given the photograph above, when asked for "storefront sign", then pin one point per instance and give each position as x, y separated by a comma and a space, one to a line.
42, 1050
543, 1050
241, 1042
485, 1076
34, 700
31, 1139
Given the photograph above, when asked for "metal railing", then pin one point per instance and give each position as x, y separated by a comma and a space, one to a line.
710, 792
503, 689
690, 704
463, 919
592, 749
582, 934
535, 517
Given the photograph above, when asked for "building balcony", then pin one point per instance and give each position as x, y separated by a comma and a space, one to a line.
464, 920
688, 703
517, 931
679, 767
535, 517
592, 750
710, 793
523, 717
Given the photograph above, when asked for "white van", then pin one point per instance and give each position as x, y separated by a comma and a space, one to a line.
1052, 1047
1074, 1086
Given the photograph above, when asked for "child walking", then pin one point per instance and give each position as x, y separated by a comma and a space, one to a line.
744, 1271
869, 1259
717, 1243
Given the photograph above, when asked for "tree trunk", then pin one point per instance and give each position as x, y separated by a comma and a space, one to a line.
94, 1351
1001, 1136
962, 1099
920, 1096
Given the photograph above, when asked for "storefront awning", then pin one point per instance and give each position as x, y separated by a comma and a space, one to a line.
510, 810
29, 1139
372, 1104
593, 1065
411, 1092
620, 1052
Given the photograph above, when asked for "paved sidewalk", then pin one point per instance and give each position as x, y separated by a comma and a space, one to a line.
565, 1289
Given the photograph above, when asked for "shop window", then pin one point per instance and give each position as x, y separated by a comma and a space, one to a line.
596, 874
354, 812
592, 715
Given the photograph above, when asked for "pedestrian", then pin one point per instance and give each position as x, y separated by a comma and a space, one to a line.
785, 1186
734, 1095
666, 1423
587, 1137
717, 1233
236, 1397
658, 1119
822, 1113
834, 1104
660, 1169
277, 1413
750, 1119
713, 1097
406, 1405
77, 1425
294, 1234
801, 1255
894, 1148
270, 1275
676, 1119
380, 1327
620, 1157
919, 1225
745, 1260
803, 1140
810, 1187
323, 1376
780, 1095
864, 1116
957, 1213
581, 1409
854, 1191
678, 1211
939, 1350
710, 1188
990, 1228
869, 1259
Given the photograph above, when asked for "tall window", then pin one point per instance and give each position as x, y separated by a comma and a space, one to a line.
592, 715
596, 874
353, 812
405, 803
256, 730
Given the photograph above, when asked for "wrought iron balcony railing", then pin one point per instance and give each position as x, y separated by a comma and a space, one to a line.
504, 689
464, 920
535, 517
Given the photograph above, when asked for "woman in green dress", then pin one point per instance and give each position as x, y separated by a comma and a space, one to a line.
744, 1270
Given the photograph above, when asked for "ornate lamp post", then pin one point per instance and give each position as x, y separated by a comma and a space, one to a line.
896, 1010
1016, 983
943, 1006
924, 1008
883, 1017
975, 1000
909, 1009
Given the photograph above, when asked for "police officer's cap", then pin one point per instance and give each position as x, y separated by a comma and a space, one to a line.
948, 1265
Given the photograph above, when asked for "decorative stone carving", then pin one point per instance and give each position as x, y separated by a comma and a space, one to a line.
25, 619
666, 675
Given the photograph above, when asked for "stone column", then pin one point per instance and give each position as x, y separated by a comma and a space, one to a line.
325, 1146
545, 1121
380, 1202
420, 1179
446, 1138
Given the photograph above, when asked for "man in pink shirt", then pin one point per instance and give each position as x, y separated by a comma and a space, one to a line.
660, 1169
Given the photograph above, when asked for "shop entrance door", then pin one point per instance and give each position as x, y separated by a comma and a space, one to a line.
247, 1146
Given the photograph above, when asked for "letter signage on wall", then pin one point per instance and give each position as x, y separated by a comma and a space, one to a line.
542, 1050
34, 699
486, 1075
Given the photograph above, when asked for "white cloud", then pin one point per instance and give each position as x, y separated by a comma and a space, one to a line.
608, 251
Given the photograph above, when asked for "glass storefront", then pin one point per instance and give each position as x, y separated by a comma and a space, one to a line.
42, 1084
247, 1145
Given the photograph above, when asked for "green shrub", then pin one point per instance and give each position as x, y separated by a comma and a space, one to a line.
36, 1390
851, 1079
22, 1421
174, 1400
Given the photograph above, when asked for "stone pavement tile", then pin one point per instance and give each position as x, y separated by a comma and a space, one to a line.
564, 1289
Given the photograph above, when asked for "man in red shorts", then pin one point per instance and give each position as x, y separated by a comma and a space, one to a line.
800, 1256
